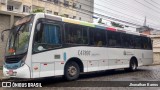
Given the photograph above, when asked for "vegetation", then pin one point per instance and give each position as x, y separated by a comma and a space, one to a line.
38, 10
100, 21
62, 15
117, 25
1, 67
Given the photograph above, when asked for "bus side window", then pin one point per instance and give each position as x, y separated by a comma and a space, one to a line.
76, 34
47, 37
146, 43
125, 42
137, 42
149, 43
97, 37
114, 39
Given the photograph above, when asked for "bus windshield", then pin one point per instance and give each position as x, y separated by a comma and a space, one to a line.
19, 37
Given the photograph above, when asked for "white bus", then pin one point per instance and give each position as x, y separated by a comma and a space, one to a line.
44, 45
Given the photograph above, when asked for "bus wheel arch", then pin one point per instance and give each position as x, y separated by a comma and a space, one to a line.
72, 68
135, 59
78, 61
133, 64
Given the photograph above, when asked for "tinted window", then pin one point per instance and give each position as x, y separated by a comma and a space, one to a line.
137, 42
76, 34
97, 37
114, 39
150, 43
127, 40
47, 37
146, 43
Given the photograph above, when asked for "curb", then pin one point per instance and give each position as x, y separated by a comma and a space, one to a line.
4, 79
153, 65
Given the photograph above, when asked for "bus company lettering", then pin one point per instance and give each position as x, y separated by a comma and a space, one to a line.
84, 52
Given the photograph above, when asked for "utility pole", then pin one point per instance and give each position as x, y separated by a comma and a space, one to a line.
145, 22
145, 29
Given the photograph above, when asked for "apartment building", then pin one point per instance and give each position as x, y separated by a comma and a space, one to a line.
75, 9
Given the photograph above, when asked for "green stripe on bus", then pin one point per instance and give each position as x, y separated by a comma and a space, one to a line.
87, 24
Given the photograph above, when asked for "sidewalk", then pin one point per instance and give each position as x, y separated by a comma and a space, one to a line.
156, 63
1, 75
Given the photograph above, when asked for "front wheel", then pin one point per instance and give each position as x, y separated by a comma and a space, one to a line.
72, 71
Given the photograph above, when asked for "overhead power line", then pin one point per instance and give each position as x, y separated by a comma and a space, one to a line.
87, 12
155, 2
147, 7
126, 16
151, 4
130, 8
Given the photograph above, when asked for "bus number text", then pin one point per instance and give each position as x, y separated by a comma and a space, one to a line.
84, 53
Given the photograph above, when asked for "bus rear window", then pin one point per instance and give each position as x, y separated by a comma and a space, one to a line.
146, 43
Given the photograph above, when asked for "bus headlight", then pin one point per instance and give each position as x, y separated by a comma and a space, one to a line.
22, 63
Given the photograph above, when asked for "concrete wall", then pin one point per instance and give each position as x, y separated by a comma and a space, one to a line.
77, 12
156, 57
156, 48
87, 8
4, 23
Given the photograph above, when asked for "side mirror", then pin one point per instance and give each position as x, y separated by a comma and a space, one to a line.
2, 35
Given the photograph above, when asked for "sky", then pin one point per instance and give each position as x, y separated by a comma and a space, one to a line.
133, 11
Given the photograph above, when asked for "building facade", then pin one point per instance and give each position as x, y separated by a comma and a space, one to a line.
12, 10
156, 48
155, 36
75, 9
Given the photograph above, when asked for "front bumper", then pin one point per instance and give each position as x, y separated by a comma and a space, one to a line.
21, 72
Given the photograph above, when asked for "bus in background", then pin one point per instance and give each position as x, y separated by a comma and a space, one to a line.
43, 45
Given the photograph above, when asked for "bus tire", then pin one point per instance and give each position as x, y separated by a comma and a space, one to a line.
72, 71
133, 65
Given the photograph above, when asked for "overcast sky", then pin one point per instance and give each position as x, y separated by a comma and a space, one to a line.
131, 10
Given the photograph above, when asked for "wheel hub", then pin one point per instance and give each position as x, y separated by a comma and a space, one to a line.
133, 66
72, 71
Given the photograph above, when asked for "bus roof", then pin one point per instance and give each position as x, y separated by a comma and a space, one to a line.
84, 23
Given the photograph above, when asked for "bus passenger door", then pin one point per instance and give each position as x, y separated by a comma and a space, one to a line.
48, 37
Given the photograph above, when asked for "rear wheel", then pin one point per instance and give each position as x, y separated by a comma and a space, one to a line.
132, 66
72, 71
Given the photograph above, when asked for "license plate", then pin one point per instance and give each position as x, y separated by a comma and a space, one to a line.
11, 73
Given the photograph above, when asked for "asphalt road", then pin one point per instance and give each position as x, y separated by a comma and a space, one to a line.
90, 81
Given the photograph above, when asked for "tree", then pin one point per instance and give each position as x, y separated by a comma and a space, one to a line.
100, 21
38, 10
117, 25
62, 15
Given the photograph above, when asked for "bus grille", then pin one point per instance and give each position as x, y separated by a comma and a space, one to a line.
12, 60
